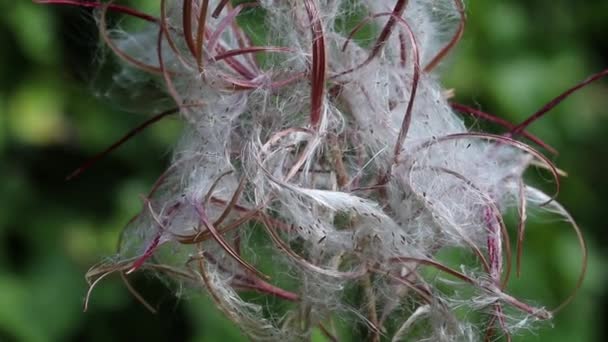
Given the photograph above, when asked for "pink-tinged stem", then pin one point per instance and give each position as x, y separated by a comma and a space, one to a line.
232, 62
249, 50
187, 26
200, 33
382, 38
226, 21
244, 41
455, 39
519, 128
222, 242
236, 65
492, 118
265, 287
120, 141
251, 282
403, 49
388, 28
240, 84
407, 118
494, 245
319, 62
147, 254
218, 9
495, 255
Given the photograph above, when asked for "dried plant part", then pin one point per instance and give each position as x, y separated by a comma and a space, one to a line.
342, 164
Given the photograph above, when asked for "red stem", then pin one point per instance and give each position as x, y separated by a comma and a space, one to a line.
319, 62
519, 128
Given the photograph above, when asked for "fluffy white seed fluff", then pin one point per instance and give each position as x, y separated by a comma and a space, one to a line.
356, 200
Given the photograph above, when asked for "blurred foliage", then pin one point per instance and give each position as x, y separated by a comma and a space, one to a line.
55, 111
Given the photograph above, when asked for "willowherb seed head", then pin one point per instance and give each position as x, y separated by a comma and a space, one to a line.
346, 157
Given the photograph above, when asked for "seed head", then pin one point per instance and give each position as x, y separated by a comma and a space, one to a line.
336, 157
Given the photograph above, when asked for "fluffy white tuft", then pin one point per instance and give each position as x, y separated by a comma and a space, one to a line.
340, 158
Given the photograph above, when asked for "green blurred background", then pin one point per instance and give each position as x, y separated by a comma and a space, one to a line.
57, 109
